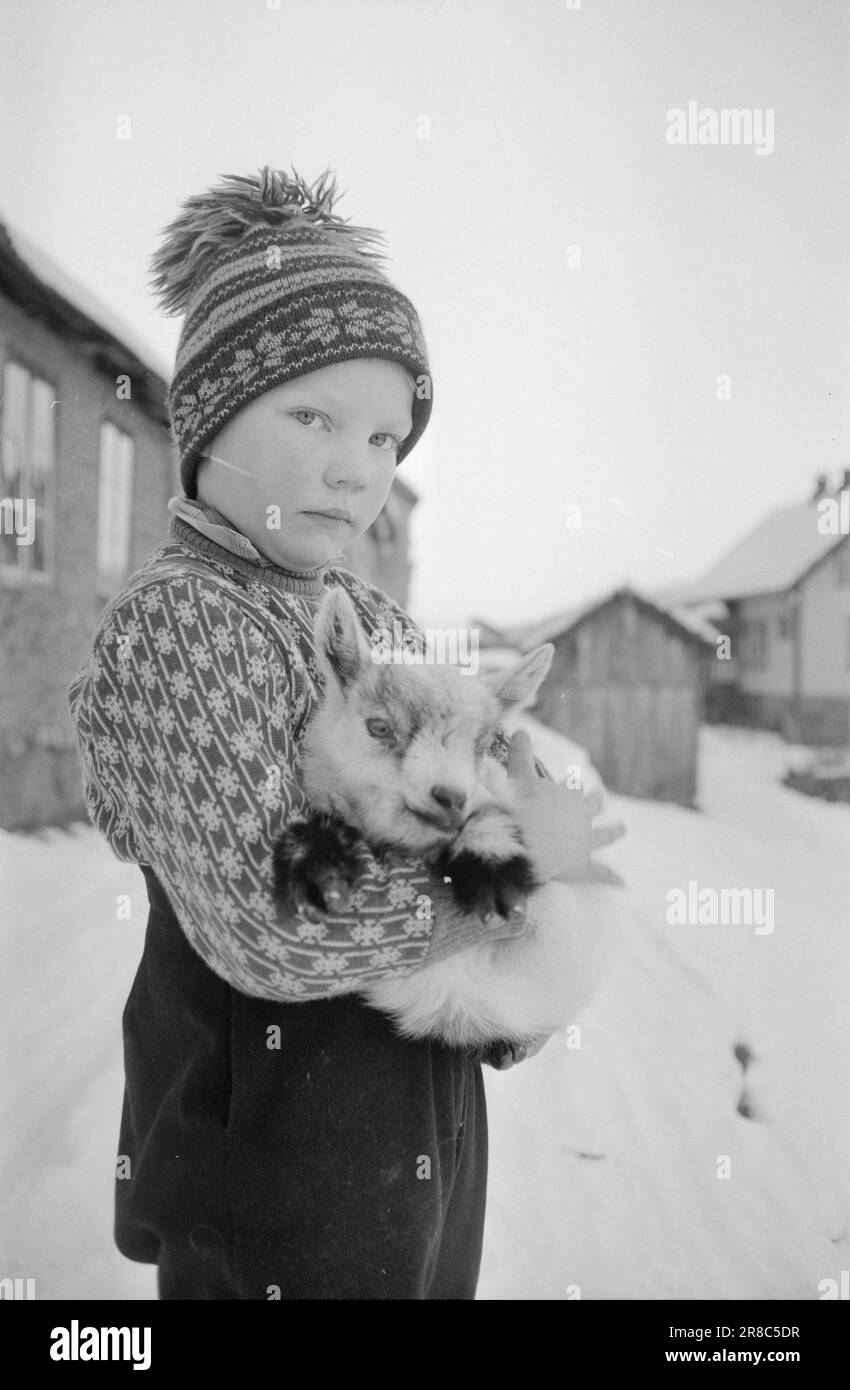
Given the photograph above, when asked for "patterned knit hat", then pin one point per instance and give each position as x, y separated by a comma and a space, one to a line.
274, 284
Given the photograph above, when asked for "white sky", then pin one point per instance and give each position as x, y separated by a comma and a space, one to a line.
554, 388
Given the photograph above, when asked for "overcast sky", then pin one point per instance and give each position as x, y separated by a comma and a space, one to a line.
555, 387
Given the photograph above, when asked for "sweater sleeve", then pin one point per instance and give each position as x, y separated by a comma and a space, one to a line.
185, 728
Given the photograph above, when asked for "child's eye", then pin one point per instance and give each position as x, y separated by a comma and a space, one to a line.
314, 415
391, 441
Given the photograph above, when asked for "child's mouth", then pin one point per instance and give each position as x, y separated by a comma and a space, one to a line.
340, 520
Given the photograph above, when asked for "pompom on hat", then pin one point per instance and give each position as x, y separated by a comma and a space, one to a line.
274, 284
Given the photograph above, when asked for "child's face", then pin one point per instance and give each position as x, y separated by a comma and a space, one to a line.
326, 440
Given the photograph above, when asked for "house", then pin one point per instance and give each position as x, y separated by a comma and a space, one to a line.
627, 682
87, 467
382, 554
781, 596
87, 472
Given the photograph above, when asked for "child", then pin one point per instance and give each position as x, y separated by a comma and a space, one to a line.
278, 1139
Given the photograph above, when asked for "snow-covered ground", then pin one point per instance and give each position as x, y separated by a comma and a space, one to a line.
607, 1161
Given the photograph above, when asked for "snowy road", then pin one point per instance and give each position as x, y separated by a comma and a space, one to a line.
607, 1161
651, 1096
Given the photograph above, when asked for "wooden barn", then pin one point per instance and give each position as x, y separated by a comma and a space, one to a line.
627, 683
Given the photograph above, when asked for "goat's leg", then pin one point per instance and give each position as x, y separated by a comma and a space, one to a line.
315, 865
486, 886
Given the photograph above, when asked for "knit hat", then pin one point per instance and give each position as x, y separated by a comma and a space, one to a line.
274, 284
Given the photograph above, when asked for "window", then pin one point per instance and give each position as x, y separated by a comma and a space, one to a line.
27, 473
114, 507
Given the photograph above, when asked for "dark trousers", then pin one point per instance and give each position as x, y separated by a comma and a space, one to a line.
341, 1162
409, 1249
394, 1212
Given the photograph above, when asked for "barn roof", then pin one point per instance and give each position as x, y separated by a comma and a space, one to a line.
691, 627
769, 559
43, 288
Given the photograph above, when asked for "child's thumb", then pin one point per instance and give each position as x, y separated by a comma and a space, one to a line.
521, 760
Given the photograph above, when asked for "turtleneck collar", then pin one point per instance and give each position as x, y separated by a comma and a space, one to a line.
201, 526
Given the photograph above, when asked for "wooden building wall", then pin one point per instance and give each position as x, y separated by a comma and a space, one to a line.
629, 689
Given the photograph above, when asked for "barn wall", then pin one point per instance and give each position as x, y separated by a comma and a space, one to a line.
625, 645
629, 690
642, 739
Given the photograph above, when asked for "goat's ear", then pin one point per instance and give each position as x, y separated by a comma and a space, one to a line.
341, 645
516, 686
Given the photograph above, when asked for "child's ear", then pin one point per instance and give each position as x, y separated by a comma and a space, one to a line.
516, 686
341, 645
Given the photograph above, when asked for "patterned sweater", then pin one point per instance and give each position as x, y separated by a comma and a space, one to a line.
190, 714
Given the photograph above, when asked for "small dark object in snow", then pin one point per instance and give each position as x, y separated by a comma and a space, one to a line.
744, 1055
747, 1107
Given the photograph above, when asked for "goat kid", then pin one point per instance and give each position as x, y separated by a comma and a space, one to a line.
398, 756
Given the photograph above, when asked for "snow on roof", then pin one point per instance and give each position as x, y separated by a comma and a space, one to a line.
524, 638
768, 560
698, 623
56, 278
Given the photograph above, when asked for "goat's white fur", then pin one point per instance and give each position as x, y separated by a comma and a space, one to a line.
513, 990
509, 990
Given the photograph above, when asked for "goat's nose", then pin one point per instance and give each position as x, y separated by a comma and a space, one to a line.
450, 798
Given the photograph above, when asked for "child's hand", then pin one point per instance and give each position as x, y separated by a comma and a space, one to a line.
557, 821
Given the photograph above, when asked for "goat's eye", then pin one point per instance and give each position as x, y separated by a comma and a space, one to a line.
379, 728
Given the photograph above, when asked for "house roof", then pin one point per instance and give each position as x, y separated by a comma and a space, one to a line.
769, 559
691, 627
33, 279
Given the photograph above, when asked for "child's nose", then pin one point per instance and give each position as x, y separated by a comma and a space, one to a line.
349, 465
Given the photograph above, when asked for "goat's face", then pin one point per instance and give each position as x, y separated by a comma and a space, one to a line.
400, 750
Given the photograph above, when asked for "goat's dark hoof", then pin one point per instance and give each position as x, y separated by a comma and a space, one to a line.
489, 889
315, 866
502, 1055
